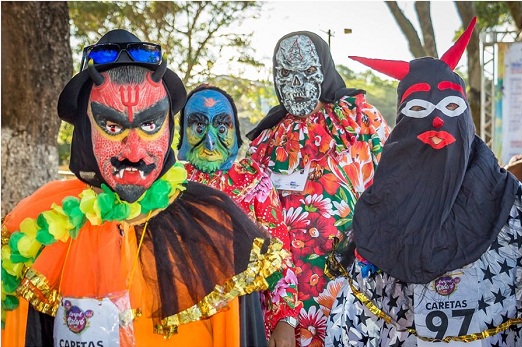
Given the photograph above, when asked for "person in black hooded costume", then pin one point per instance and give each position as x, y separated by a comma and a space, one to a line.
130, 253
438, 236
320, 146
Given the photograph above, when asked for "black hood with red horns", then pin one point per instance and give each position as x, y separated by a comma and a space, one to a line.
439, 197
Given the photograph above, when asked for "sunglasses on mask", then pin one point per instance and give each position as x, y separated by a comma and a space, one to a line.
105, 53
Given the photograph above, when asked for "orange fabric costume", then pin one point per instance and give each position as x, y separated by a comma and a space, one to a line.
105, 258
130, 252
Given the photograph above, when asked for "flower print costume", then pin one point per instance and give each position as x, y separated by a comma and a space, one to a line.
321, 147
209, 140
438, 236
129, 253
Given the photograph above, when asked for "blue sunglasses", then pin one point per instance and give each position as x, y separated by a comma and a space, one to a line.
105, 53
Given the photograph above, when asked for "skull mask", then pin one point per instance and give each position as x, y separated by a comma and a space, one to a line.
298, 75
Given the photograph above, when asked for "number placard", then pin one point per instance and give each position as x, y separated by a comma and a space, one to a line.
445, 307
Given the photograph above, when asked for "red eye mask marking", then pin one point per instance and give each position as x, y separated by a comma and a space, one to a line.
419, 87
130, 100
450, 85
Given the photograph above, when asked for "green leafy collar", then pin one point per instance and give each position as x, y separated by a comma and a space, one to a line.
63, 222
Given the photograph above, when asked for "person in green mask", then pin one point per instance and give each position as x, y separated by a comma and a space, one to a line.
210, 139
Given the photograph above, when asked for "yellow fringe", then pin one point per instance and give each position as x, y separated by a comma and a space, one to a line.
35, 289
250, 280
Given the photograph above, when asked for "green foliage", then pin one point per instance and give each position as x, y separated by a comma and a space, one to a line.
381, 93
345, 73
64, 142
192, 33
491, 14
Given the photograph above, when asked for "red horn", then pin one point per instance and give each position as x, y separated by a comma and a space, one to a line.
393, 68
454, 53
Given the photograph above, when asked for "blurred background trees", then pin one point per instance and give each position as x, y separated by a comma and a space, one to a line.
490, 14
41, 40
192, 33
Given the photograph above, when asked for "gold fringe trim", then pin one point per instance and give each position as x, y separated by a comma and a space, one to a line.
5, 233
250, 280
35, 288
465, 338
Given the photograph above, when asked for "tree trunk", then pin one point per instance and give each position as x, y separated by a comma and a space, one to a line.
428, 35
467, 12
36, 64
407, 29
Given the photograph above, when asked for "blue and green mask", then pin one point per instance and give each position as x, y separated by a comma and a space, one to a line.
209, 134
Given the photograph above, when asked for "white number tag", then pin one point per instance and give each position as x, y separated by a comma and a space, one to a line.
445, 307
295, 181
87, 322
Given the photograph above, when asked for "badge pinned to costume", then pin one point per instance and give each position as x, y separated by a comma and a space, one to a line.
445, 307
91, 322
295, 181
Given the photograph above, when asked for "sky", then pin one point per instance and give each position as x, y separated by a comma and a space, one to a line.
375, 34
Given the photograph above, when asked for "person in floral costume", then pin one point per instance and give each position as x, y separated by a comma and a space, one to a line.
210, 138
129, 253
436, 253
321, 146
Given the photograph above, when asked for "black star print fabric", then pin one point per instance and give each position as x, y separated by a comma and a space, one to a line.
482, 297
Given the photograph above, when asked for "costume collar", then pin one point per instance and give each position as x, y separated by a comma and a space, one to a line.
61, 223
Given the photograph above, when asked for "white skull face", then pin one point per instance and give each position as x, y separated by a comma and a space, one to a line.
298, 75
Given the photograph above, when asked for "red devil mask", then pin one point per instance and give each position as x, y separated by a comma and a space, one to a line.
137, 116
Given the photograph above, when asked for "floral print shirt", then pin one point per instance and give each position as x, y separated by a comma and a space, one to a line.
339, 146
252, 190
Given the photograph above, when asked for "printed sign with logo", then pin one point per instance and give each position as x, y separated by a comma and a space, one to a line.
445, 307
87, 322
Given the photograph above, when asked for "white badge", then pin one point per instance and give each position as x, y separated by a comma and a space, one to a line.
87, 322
295, 181
445, 307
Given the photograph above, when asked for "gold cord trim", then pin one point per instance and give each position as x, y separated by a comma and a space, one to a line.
465, 338
250, 280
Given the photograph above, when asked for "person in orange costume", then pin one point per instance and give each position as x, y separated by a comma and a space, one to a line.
130, 253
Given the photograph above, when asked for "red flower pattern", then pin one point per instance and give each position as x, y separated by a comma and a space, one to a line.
253, 191
341, 144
